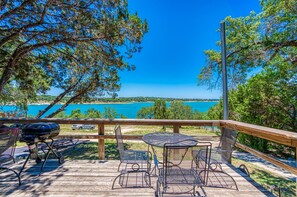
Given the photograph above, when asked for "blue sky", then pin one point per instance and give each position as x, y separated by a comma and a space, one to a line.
172, 54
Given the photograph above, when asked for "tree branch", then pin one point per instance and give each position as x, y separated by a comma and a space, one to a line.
22, 29
62, 108
58, 99
10, 12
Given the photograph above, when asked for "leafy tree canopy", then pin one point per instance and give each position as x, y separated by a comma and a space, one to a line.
178, 110
160, 109
266, 44
146, 113
255, 42
78, 46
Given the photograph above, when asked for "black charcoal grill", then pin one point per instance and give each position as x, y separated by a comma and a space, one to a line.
36, 134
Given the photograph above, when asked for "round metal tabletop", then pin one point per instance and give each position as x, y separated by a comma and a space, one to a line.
160, 139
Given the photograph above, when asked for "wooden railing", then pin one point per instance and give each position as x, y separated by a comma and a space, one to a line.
274, 135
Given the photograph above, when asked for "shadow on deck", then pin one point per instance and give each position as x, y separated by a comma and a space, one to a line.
94, 178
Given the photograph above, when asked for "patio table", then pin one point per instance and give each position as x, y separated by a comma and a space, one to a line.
158, 139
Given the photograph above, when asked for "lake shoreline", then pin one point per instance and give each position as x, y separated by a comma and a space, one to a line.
104, 103
125, 109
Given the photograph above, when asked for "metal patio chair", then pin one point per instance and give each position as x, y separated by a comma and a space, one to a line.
218, 156
8, 138
177, 174
134, 165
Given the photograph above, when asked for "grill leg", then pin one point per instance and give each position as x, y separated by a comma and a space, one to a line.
50, 149
24, 165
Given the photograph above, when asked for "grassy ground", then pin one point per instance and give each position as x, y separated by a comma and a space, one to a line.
267, 179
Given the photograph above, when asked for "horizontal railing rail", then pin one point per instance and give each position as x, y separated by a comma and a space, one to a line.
275, 135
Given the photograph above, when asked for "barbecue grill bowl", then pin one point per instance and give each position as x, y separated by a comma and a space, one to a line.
39, 131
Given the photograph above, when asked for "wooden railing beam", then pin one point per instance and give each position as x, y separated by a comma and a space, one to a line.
274, 135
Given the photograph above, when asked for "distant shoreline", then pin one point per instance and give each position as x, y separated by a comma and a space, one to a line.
104, 103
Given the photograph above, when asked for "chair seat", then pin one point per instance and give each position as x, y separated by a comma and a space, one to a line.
134, 155
181, 176
215, 157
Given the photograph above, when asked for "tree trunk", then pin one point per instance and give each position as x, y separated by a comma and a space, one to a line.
57, 99
64, 106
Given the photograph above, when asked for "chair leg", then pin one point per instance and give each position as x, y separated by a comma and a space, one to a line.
17, 175
223, 172
119, 165
147, 174
112, 187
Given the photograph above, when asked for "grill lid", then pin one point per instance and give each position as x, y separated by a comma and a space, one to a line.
40, 130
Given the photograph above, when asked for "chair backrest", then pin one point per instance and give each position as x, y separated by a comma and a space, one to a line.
8, 138
177, 161
120, 142
5, 140
227, 142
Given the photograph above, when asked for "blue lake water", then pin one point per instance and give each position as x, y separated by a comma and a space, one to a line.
127, 109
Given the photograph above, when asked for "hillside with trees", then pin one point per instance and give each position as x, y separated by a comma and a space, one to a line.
49, 98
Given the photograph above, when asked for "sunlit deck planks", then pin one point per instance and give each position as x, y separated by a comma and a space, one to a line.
94, 178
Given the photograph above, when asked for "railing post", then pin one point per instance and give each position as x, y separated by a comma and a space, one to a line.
101, 143
175, 128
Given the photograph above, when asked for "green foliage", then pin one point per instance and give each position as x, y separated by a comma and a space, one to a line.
109, 113
197, 115
146, 113
267, 99
262, 42
216, 111
78, 46
122, 116
49, 98
267, 39
93, 113
178, 110
160, 109
76, 113
61, 114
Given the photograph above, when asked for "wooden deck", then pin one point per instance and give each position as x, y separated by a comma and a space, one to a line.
94, 178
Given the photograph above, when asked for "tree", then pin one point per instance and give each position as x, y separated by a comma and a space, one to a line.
178, 110
146, 113
61, 115
109, 113
160, 109
255, 41
265, 42
76, 113
268, 99
77, 46
93, 113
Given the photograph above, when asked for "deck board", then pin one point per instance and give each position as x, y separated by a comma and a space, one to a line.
94, 178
